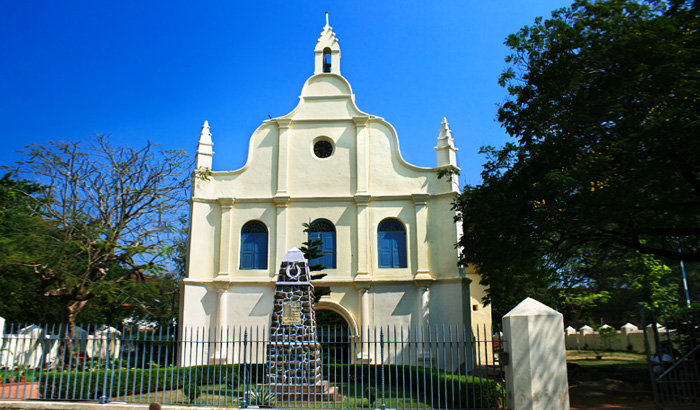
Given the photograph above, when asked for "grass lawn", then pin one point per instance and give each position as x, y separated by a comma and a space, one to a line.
614, 360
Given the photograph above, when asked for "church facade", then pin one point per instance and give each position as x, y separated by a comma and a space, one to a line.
387, 226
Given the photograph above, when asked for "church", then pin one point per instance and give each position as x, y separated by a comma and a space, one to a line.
387, 226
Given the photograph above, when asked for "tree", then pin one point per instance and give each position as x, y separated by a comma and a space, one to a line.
20, 228
112, 213
312, 250
602, 102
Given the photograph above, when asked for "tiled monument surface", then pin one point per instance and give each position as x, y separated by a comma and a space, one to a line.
294, 354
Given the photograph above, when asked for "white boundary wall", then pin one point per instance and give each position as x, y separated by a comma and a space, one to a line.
629, 338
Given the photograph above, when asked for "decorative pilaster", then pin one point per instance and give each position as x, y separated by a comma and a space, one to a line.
420, 202
363, 299
423, 307
225, 239
363, 242
423, 319
281, 203
222, 284
362, 153
283, 127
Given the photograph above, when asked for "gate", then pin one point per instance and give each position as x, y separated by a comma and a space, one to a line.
672, 341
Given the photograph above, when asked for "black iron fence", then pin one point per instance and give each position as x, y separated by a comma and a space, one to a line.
672, 340
400, 368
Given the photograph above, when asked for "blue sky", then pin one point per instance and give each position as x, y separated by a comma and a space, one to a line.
155, 70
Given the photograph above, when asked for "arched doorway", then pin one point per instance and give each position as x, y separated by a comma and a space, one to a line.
334, 334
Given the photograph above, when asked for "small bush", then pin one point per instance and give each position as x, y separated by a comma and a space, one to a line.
261, 396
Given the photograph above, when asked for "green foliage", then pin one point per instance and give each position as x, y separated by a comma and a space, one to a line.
603, 104
455, 389
312, 249
653, 282
447, 172
608, 337
22, 233
123, 381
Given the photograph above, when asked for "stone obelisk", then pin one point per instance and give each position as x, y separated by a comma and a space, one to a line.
293, 353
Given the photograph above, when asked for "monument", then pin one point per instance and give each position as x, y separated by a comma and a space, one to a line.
293, 353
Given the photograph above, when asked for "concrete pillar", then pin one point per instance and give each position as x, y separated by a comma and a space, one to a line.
535, 361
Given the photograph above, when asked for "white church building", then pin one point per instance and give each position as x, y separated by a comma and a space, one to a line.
387, 226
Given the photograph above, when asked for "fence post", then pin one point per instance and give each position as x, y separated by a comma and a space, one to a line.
535, 363
104, 398
244, 401
381, 347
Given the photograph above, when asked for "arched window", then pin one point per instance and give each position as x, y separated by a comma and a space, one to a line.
325, 231
391, 241
254, 245
326, 60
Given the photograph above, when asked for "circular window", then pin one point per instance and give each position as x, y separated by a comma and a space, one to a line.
323, 148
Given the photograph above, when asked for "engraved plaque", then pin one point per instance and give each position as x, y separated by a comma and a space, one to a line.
291, 312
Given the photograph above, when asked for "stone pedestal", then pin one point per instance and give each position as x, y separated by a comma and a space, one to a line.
293, 353
296, 393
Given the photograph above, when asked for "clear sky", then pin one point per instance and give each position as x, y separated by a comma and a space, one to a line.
155, 70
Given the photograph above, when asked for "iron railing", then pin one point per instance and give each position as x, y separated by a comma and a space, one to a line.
674, 357
399, 368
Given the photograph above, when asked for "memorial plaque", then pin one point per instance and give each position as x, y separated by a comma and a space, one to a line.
291, 312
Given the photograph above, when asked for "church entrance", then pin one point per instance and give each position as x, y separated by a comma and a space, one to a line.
334, 335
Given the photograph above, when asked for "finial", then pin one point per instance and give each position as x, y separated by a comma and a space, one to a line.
327, 24
205, 136
445, 131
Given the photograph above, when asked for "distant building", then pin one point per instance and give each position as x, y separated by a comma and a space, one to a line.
387, 226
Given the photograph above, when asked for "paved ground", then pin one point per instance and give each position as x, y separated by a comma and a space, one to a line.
623, 389
586, 401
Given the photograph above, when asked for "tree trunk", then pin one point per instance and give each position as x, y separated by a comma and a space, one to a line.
69, 312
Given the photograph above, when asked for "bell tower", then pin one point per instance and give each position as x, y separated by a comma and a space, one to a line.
327, 52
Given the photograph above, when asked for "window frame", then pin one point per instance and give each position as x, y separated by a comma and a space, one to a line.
329, 251
392, 246
259, 241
